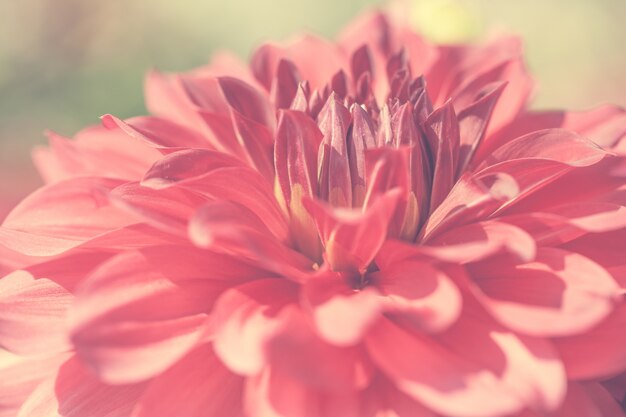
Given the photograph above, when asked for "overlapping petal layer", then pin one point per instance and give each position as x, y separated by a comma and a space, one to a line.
373, 227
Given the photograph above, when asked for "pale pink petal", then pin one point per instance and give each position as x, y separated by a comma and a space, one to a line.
245, 318
60, 216
419, 294
474, 369
115, 326
351, 239
303, 52
605, 125
95, 151
302, 355
464, 244
75, 392
232, 229
19, 379
341, 314
184, 165
559, 293
197, 386
32, 314
474, 197
167, 209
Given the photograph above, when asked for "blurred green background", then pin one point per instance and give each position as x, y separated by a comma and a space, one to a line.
63, 63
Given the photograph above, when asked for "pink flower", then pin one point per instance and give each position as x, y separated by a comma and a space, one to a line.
376, 227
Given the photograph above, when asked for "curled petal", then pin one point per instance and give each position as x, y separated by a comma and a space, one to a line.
416, 292
351, 239
341, 315
245, 318
472, 370
116, 328
559, 293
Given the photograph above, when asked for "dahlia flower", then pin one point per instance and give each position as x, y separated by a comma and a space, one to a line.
372, 227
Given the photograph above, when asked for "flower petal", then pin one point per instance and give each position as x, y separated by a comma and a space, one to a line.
32, 314
274, 394
419, 294
560, 293
158, 132
351, 239
18, 380
245, 318
184, 165
118, 330
95, 151
75, 392
599, 352
472, 370
197, 386
341, 315
232, 229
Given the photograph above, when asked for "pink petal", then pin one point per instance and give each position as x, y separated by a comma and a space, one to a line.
383, 399
473, 198
599, 352
560, 293
301, 354
95, 151
257, 141
594, 217
362, 138
303, 52
166, 96
464, 244
333, 163
197, 386
274, 394
388, 168
557, 145
115, 326
589, 399
220, 177
60, 216
18, 380
32, 314
75, 392
232, 229
245, 318
604, 124
169, 209
247, 101
352, 239
247, 188
473, 122
472, 370
185, 165
158, 132
442, 132
285, 84
419, 294
297, 142
341, 315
